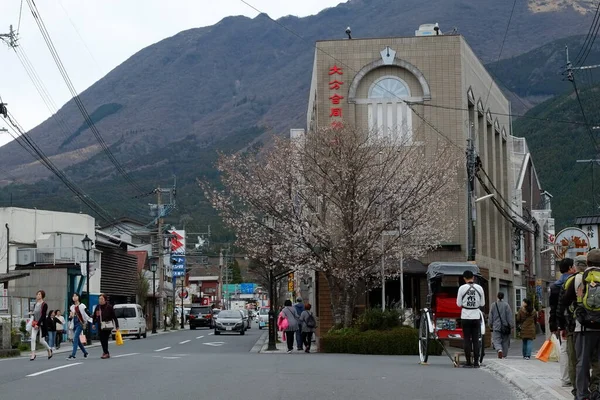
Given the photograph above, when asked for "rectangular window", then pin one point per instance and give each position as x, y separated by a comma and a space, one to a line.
520, 294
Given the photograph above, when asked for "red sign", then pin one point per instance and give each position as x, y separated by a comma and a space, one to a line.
205, 301
335, 99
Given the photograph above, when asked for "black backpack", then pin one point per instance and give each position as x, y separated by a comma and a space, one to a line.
310, 321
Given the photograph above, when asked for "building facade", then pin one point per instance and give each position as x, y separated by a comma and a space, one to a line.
431, 90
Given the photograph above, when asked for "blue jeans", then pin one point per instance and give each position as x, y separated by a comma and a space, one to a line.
76, 342
527, 344
51, 339
299, 343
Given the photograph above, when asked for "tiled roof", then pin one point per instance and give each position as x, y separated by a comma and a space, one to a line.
588, 220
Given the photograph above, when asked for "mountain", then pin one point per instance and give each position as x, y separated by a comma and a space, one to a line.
168, 108
557, 145
538, 75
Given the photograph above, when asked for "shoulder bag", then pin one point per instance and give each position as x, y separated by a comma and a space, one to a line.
504, 329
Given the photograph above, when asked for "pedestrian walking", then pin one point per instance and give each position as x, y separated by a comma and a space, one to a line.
106, 321
38, 325
527, 317
288, 323
51, 324
60, 328
299, 306
569, 328
584, 287
567, 269
470, 298
80, 318
308, 325
501, 323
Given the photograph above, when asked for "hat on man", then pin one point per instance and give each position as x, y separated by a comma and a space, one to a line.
593, 257
299, 300
581, 261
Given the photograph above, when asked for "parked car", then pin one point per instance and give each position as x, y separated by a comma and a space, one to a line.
246, 317
201, 316
230, 321
131, 320
263, 317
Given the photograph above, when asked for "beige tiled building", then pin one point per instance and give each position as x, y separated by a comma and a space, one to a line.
371, 83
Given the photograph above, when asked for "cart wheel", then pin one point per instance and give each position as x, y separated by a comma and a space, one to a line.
424, 338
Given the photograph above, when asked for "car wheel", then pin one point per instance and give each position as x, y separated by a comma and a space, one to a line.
192, 328
139, 336
259, 327
217, 332
243, 332
145, 335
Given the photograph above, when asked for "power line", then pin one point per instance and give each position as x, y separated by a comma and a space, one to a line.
589, 41
512, 11
42, 27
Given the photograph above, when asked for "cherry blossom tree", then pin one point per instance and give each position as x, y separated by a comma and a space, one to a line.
332, 201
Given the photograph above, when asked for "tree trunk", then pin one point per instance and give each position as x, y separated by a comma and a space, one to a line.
343, 299
349, 304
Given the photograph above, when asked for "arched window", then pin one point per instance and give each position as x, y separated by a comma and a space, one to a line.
389, 116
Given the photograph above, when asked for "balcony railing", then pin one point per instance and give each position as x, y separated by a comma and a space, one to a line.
52, 255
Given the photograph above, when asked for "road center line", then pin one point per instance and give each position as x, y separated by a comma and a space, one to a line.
185, 341
199, 337
210, 334
126, 355
164, 348
54, 369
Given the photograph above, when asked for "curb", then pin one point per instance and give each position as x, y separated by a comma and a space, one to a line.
532, 390
257, 348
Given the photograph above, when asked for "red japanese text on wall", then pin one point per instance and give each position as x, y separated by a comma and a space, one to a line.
336, 113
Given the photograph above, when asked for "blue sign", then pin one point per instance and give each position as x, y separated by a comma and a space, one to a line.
178, 265
247, 288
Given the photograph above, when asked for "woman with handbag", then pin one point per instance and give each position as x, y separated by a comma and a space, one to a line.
527, 318
288, 322
38, 324
106, 320
80, 318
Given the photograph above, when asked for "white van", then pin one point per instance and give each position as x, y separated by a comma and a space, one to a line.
131, 320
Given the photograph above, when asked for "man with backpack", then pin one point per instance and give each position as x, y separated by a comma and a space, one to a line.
584, 293
501, 324
470, 298
567, 269
299, 306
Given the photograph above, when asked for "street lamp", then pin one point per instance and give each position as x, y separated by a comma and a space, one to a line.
153, 269
87, 246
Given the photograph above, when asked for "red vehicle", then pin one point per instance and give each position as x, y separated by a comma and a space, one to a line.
440, 319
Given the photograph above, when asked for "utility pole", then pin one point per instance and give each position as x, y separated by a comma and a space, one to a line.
220, 288
10, 38
592, 162
161, 249
471, 172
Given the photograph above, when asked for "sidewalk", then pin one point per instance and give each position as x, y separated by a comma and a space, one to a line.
538, 380
263, 343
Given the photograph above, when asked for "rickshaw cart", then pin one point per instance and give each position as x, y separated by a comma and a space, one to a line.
440, 319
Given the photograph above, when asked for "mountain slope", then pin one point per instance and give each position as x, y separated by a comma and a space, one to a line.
557, 146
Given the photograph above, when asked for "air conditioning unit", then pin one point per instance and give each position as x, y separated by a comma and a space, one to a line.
25, 256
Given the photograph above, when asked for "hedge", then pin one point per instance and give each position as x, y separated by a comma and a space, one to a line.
403, 341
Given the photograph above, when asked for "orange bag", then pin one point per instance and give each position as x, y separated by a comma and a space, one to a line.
544, 352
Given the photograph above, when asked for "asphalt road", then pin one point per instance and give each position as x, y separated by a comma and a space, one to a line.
197, 365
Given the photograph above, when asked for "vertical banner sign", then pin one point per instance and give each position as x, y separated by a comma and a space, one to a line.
178, 253
335, 83
4, 300
291, 282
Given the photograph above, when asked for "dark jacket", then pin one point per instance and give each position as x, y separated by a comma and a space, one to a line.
107, 313
50, 324
554, 299
527, 321
41, 322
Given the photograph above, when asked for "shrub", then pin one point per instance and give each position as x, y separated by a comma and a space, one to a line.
401, 341
24, 347
376, 319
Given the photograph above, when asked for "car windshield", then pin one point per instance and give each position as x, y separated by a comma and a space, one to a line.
229, 314
264, 311
200, 310
125, 312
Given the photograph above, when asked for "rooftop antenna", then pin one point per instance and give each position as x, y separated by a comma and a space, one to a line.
349, 32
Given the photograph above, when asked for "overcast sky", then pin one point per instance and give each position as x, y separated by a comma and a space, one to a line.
94, 36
